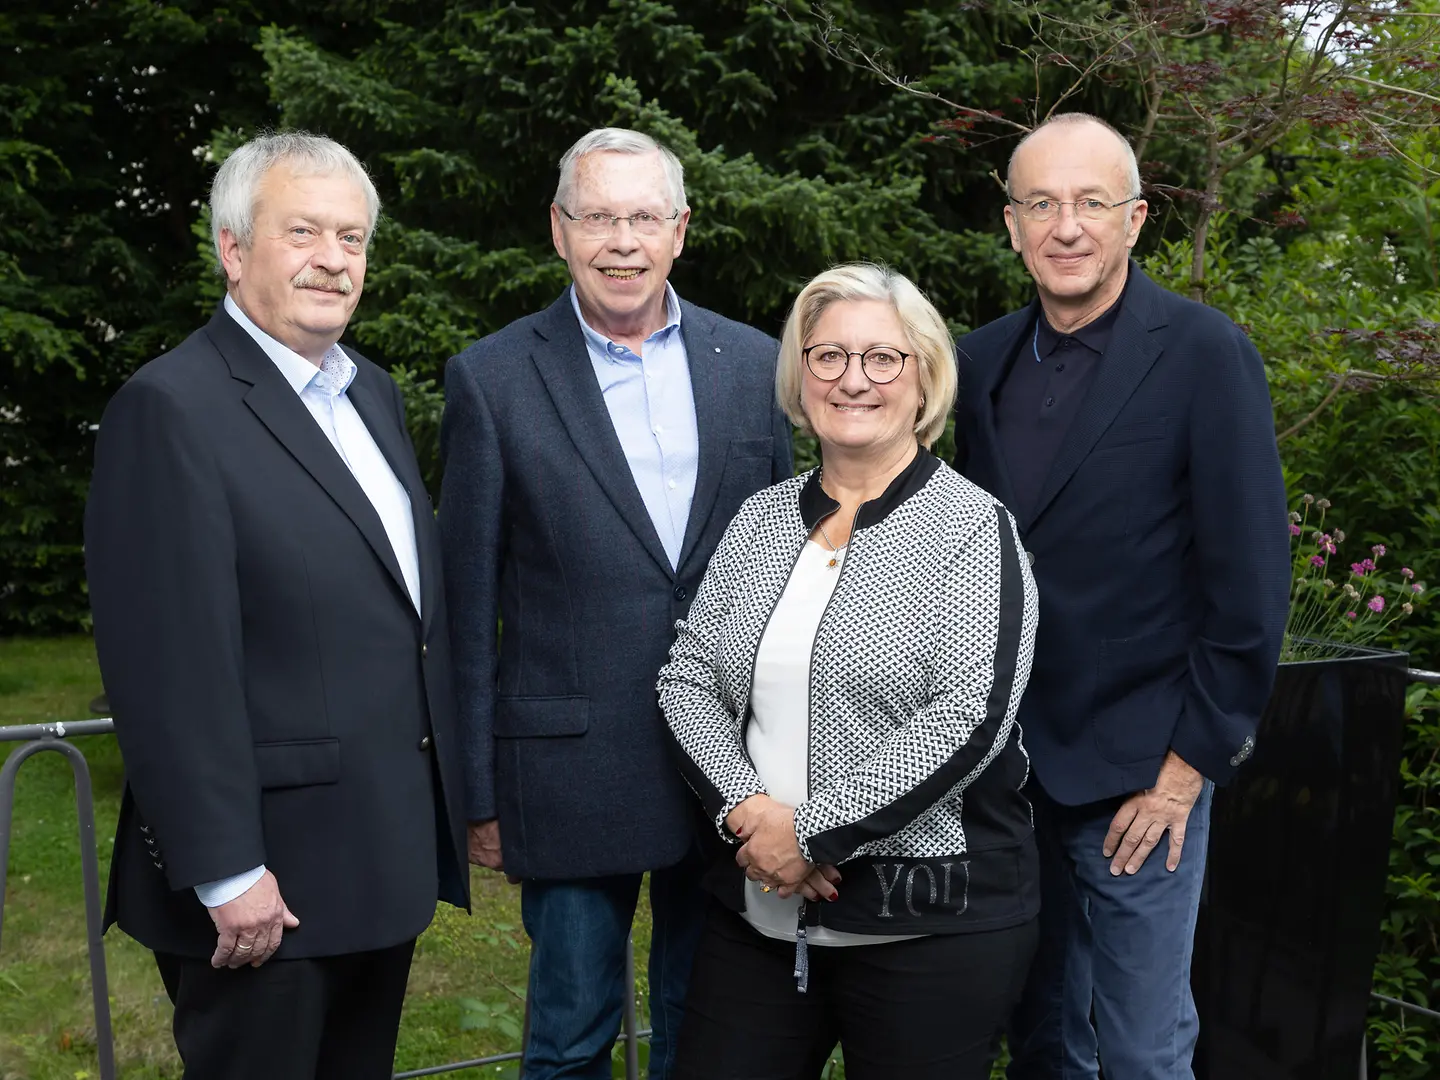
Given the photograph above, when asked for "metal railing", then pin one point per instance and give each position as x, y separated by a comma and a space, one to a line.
38, 738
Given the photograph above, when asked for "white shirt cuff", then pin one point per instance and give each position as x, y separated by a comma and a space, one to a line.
215, 893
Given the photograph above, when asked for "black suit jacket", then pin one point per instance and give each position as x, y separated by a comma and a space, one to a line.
545, 532
271, 681
1159, 545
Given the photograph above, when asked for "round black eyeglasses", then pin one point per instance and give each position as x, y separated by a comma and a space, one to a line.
880, 364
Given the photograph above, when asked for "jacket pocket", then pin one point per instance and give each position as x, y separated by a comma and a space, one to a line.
1140, 692
297, 763
1134, 433
528, 717
752, 447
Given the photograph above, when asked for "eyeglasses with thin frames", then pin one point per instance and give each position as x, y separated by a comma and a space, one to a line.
880, 364
1090, 209
597, 225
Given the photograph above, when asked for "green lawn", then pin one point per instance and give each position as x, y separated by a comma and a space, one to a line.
466, 986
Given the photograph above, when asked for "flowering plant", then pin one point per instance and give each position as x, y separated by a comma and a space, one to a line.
1331, 608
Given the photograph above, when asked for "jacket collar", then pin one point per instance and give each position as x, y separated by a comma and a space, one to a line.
816, 504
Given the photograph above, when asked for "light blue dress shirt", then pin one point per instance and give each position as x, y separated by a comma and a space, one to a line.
652, 407
322, 390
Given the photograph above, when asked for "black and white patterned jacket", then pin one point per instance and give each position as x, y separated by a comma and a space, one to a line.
915, 759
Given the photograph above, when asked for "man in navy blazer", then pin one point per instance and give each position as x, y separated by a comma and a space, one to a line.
594, 454
264, 572
1130, 432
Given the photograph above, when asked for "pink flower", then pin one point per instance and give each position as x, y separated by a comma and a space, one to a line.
1316, 560
1378, 550
1417, 588
1377, 603
1358, 569
1406, 573
1349, 614
1294, 530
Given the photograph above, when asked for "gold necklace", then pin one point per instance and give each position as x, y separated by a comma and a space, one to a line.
834, 551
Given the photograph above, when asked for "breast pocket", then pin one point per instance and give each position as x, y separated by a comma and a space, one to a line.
1131, 472
747, 470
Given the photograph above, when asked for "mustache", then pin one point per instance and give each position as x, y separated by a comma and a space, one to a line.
310, 278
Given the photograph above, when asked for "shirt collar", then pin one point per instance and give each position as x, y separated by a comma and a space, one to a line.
332, 377
603, 346
1094, 335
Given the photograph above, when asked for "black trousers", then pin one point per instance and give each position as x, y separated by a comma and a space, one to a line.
333, 1018
928, 1009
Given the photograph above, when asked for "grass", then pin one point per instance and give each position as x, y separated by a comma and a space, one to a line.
466, 991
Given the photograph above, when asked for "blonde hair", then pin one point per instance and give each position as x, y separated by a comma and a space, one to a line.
929, 337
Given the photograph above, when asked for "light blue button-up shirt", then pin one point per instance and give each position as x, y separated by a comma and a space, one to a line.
652, 406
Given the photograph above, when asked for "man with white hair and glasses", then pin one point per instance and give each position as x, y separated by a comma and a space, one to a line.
594, 453
264, 575
1129, 431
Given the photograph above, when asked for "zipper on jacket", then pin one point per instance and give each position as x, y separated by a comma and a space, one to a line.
754, 655
810, 683
802, 952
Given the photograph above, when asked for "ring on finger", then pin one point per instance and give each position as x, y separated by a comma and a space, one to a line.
244, 948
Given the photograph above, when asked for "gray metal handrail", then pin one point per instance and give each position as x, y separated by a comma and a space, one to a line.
37, 738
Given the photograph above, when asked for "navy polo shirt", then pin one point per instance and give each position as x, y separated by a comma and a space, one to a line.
1040, 394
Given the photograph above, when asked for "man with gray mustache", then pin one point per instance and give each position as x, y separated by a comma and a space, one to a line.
265, 580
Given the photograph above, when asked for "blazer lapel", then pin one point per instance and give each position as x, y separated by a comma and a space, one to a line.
280, 409
564, 365
1131, 354
710, 383
986, 373
385, 430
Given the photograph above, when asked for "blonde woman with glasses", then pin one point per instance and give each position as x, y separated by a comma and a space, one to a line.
842, 697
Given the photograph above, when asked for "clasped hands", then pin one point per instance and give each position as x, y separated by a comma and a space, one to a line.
770, 853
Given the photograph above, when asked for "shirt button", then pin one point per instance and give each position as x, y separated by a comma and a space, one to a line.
1059, 367
425, 743
681, 593
671, 485
1049, 401
424, 650
1065, 342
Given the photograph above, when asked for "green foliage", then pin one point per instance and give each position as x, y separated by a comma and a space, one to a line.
1404, 1048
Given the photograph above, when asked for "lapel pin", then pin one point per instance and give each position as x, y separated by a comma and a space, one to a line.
717, 348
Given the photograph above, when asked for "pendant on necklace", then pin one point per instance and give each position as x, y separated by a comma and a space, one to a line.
834, 561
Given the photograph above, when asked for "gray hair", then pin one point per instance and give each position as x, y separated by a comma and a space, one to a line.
237, 183
1132, 167
620, 141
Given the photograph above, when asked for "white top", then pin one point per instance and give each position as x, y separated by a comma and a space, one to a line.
322, 389
778, 737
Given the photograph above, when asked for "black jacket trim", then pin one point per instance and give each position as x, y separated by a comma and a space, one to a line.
827, 846
816, 504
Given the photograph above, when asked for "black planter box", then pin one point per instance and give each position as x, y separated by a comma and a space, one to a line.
1289, 922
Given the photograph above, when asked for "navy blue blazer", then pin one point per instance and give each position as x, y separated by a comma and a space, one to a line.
545, 533
277, 698
1159, 544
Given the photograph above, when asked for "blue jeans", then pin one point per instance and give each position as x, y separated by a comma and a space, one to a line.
1117, 948
577, 990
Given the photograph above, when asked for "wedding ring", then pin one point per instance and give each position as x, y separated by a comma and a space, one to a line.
764, 888
244, 948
